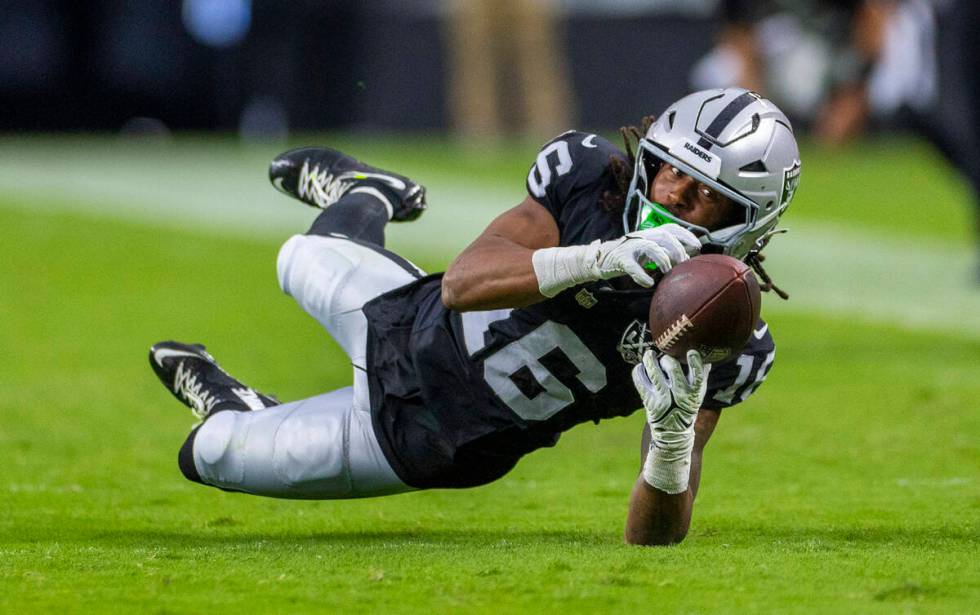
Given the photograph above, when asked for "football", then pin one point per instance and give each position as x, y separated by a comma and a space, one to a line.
709, 303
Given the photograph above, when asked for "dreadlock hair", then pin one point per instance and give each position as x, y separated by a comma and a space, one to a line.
614, 199
754, 260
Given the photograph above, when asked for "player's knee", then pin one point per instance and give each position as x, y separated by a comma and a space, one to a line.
313, 270
305, 262
286, 260
309, 453
213, 439
208, 454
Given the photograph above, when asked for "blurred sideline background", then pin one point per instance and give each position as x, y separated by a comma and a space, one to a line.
168, 111
263, 68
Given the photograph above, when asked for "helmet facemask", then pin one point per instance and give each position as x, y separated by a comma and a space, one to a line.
643, 213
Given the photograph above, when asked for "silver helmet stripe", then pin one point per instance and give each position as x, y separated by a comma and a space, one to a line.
710, 135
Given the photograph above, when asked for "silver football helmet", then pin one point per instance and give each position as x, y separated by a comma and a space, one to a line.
736, 142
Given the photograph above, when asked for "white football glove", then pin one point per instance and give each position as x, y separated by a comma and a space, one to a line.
672, 401
665, 246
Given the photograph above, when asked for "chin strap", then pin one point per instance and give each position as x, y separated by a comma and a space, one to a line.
755, 258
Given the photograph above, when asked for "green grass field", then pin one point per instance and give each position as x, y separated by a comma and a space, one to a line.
848, 483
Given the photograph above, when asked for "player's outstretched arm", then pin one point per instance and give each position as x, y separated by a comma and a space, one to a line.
495, 271
660, 518
677, 430
516, 261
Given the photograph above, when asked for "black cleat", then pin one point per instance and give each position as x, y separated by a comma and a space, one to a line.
319, 176
195, 379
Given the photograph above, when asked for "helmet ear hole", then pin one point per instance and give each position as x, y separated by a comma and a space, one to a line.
769, 206
652, 167
670, 119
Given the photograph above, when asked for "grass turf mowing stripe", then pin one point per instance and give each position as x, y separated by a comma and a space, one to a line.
875, 278
827, 267
883, 184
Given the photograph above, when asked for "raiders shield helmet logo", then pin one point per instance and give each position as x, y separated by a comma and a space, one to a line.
791, 181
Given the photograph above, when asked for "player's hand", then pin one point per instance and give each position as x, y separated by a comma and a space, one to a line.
559, 268
664, 246
671, 398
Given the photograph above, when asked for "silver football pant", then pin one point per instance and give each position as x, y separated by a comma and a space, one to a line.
323, 447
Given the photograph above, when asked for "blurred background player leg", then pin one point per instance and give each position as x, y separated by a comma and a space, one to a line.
925, 77
506, 69
953, 122
540, 66
473, 68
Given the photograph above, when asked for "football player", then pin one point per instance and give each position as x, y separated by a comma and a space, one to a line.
535, 327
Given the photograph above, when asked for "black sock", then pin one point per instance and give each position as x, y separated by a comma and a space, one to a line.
357, 215
185, 458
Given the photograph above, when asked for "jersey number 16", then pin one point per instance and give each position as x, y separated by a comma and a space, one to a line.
523, 373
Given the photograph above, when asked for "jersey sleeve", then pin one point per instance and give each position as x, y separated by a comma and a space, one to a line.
733, 381
572, 168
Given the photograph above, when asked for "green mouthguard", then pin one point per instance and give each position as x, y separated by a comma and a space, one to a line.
651, 217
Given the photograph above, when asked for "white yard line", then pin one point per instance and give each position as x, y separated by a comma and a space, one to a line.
871, 277
876, 278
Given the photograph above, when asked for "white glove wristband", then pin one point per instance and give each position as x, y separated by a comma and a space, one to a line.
561, 268
668, 468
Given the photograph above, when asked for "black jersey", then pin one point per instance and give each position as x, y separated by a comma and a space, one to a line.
458, 398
